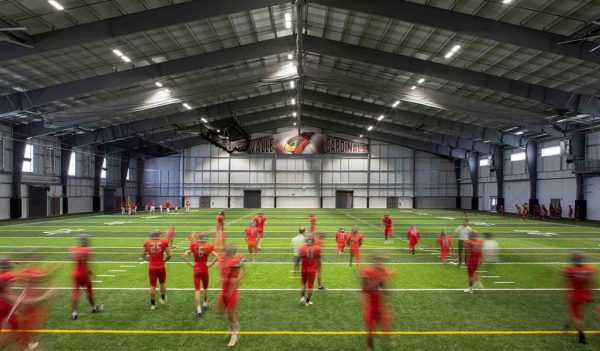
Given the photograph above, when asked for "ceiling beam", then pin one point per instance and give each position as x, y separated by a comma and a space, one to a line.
456, 128
37, 97
129, 24
477, 26
403, 131
550, 96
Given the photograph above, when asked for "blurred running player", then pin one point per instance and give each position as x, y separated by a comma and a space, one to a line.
579, 278
519, 213
387, 227
320, 241
154, 252
176, 205
445, 244
501, 211
413, 235
7, 299
313, 223
251, 236
473, 252
310, 255
375, 308
219, 240
341, 238
463, 232
153, 206
525, 212
297, 242
201, 250
355, 242
220, 221
170, 235
490, 249
122, 207
168, 205
260, 221
231, 274
82, 275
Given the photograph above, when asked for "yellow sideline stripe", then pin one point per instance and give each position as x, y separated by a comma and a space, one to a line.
299, 332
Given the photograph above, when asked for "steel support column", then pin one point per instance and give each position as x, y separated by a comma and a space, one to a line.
65, 159
98, 160
18, 146
531, 152
578, 146
473, 161
498, 166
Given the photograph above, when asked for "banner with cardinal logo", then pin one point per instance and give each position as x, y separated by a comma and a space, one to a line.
307, 143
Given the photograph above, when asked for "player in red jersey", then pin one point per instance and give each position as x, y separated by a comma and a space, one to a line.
445, 244
153, 206
154, 252
82, 275
320, 241
168, 205
220, 221
187, 205
579, 278
374, 305
355, 241
7, 300
122, 207
570, 212
387, 227
310, 255
473, 252
525, 212
170, 235
260, 221
219, 240
201, 250
341, 238
413, 235
231, 265
251, 235
313, 223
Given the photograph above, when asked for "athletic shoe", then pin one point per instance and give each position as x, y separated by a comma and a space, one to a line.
479, 285
322, 288
306, 304
233, 341
302, 300
205, 307
385, 242
582, 341
32, 345
198, 314
469, 291
163, 301
152, 307
310, 303
97, 308
73, 316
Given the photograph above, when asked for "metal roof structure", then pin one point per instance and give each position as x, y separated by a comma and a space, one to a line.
448, 76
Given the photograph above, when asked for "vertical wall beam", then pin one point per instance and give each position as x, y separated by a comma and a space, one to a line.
531, 153
98, 159
578, 145
414, 178
458, 172
19, 142
228, 181
124, 168
274, 168
473, 161
139, 179
369, 174
65, 160
498, 163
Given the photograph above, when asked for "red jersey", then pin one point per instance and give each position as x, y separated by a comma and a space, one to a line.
313, 221
475, 250
260, 221
251, 235
580, 279
187, 204
230, 269
176, 204
444, 242
81, 256
153, 203
167, 204
201, 252
6, 278
132, 205
341, 238
311, 256
220, 219
155, 250
355, 240
387, 221
374, 279
413, 235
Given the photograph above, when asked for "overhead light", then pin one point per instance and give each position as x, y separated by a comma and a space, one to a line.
288, 16
293, 101
360, 136
292, 84
294, 123
167, 91
449, 54
288, 24
487, 141
203, 120
218, 131
290, 56
521, 132
125, 58
187, 106
396, 103
506, 1
56, 5
381, 117
421, 81
158, 84
294, 114
413, 87
117, 52
455, 48
370, 127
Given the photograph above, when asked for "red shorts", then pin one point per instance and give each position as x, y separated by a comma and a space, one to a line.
5, 309
375, 312
471, 268
155, 273
251, 246
576, 306
308, 279
200, 275
340, 247
387, 231
412, 244
261, 232
81, 280
444, 254
355, 252
230, 300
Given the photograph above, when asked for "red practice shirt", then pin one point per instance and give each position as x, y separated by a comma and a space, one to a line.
156, 249
81, 256
251, 235
311, 255
260, 221
201, 252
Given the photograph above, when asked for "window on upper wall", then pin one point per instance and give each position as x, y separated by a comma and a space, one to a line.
103, 172
484, 162
72, 163
28, 159
519, 156
551, 151
127, 178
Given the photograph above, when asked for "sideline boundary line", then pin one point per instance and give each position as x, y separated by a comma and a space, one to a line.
328, 289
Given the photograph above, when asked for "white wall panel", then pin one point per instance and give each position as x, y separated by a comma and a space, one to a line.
592, 194
563, 189
515, 193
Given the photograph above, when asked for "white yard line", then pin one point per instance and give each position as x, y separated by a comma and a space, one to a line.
325, 263
328, 290
105, 275
504, 282
358, 219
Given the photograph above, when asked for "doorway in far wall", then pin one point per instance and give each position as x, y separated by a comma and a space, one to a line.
392, 202
204, 202
344, 199
493, 203
252, 199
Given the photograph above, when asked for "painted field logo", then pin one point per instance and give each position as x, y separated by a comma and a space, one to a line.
482, 224
62, 231
448, 218
150, 217
536, 232
116, 223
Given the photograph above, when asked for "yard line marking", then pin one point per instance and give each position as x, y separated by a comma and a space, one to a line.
127, 266
96, 281
328, 289
117, 270
490, 276
105, 275
297, 332
504, 282
481, 271
358, 219
327, 263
